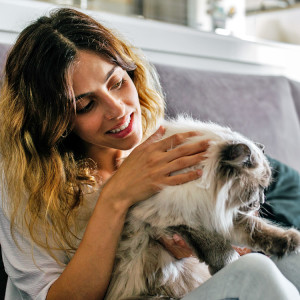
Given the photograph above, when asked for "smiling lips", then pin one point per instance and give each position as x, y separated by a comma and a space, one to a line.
123, 130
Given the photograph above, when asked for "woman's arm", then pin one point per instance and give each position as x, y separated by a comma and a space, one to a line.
142, 174
88, 273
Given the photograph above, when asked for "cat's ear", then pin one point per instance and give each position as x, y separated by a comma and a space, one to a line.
260, 146
237, 154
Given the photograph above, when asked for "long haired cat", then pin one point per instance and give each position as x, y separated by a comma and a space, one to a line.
211, 213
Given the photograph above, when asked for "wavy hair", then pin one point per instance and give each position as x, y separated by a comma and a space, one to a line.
42, 175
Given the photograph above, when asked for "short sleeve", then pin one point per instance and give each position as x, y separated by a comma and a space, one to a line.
31, 272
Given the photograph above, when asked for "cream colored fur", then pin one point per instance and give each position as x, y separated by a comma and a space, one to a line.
211, 213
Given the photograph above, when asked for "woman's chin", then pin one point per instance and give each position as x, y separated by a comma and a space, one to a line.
131, 143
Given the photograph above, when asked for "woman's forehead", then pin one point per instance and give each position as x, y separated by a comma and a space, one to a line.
90, 70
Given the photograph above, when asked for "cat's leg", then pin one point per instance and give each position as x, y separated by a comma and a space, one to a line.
135, 270
142, 271
260, 235
210, 247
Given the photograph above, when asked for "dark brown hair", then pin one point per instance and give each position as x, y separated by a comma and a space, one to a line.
37, 107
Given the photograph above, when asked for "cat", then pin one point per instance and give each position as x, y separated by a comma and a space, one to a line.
212, 213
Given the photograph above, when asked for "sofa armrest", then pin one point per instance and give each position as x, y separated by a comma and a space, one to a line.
295, 90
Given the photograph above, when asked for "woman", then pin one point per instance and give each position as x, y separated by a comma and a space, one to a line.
76, 100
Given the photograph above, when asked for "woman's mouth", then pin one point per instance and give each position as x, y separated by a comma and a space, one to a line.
123, 130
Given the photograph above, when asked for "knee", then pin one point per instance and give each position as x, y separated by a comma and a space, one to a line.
263, 274
258, 265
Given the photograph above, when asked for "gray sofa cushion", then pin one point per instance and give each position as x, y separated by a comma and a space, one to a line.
260, 107
295, 88
3, 54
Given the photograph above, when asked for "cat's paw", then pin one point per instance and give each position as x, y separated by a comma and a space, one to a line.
287, 243
294, 240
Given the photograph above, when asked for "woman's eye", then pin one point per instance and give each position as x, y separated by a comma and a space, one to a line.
83, 108
118, 84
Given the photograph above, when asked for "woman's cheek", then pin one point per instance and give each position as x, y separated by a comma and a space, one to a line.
86, 126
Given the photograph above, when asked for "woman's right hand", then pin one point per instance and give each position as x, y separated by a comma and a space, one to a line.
148, 167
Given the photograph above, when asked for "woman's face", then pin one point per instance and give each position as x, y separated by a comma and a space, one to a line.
108, 112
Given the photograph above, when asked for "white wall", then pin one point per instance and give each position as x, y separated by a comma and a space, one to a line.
280, 26
171, 44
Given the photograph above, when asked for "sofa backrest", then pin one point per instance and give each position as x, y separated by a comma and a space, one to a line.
264, 108
4, 48
295, 89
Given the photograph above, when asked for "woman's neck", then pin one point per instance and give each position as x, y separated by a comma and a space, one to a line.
108, 160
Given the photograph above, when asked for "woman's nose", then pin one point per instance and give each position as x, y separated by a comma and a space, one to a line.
114, 107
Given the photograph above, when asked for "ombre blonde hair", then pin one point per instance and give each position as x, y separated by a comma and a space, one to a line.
43, 176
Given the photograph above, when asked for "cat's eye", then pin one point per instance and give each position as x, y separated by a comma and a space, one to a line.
249, 161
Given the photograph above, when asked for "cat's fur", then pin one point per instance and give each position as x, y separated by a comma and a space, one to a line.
211, 213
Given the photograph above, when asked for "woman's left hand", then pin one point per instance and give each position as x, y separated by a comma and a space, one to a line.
177, 246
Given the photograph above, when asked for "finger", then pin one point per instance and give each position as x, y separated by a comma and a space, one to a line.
179, 241
183, 178
167, 242
176, 139
184, 162
189, 149
155, 136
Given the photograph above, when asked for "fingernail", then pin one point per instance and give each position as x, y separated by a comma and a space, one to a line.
176, 238
199, 172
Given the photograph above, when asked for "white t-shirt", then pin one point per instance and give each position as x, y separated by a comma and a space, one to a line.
25, 279
29, 276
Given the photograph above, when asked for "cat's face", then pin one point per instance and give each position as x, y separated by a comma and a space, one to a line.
235, 174
247, 170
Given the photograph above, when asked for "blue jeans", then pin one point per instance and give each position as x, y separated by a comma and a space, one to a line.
253, 277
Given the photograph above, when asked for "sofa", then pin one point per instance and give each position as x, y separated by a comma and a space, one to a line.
264, 108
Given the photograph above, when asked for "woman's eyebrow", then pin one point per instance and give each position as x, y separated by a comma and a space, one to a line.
108, 75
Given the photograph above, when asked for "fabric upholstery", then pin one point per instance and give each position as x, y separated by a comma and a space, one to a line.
283, 196
295, 89
3, 53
